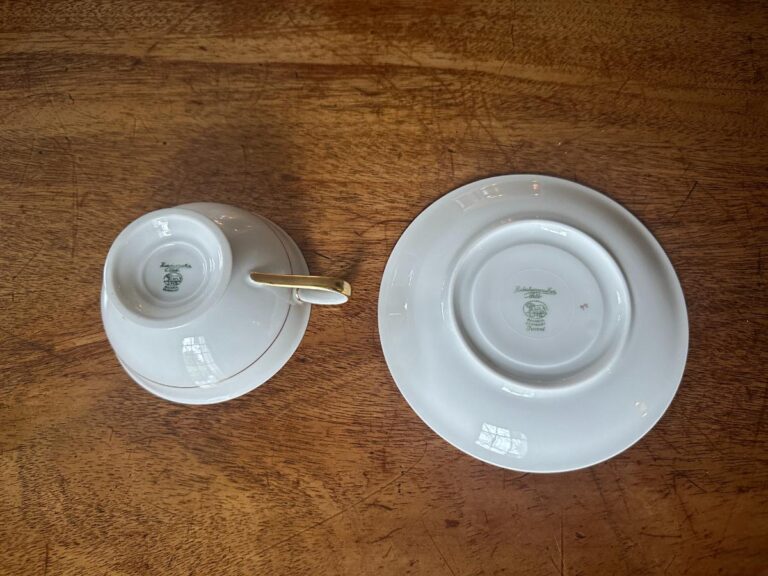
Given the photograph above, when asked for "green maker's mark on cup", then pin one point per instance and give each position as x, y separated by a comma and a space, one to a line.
172, 278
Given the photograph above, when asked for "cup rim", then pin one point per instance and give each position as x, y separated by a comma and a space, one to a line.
213, 295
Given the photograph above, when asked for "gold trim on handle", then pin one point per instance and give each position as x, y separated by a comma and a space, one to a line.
324, 283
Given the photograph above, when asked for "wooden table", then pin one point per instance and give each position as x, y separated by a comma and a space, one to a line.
341, 121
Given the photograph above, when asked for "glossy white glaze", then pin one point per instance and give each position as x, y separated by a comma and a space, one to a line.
533, 323
224, 335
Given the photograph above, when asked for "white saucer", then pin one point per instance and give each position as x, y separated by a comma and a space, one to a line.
533, 323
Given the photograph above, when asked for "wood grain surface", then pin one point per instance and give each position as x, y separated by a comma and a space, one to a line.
341, 121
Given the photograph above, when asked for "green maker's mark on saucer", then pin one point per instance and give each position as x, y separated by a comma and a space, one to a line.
535, 309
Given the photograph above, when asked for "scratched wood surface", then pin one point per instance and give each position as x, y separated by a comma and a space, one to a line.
341, 121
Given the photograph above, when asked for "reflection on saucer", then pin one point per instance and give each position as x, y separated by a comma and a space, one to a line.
502, 441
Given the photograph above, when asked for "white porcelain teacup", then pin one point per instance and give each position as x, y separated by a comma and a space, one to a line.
204, 302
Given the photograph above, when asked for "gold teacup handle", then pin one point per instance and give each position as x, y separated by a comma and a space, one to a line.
309, 289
